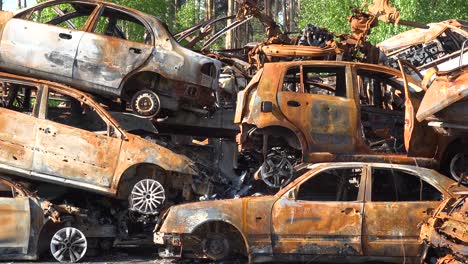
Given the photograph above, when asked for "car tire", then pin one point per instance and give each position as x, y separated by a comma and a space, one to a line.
68, 245
146, 103
216, 246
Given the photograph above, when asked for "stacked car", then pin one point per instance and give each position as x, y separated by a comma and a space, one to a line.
110, 128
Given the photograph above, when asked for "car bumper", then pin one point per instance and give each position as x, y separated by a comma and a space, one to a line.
172, 245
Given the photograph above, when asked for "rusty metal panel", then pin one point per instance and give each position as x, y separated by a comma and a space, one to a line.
306, 227
40, 47
15, 225
17, 139
444, 92
391, 228
106, 61
75, 154
328, 122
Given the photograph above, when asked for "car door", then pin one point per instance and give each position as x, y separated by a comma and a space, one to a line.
397, 201
322, 215
75, 143
317, 101
15, 222
119, 43
44, 41
18, 125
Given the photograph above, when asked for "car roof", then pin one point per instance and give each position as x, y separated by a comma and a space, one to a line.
86, 1
431, 176
62, 88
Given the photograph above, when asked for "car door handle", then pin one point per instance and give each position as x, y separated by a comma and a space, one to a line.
294, 103
65, 36
135, 50
348, 211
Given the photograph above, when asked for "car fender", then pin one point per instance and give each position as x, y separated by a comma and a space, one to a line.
186, 218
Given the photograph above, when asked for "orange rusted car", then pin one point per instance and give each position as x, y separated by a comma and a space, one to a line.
320, 111
53, 133
331, 212
31, 224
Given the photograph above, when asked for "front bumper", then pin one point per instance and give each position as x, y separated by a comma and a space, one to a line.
172, 245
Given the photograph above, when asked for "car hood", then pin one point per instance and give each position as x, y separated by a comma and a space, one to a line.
136, 150
444, 92
419, 35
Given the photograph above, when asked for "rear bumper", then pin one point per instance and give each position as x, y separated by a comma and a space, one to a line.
171, 245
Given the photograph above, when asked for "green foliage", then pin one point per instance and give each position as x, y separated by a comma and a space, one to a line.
332, 14
186, 15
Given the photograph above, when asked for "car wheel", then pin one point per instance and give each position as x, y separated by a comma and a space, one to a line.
459, 167
146, 103
216, 246
68, 245
276, 171
147, 197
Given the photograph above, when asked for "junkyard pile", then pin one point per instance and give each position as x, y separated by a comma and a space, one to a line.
319, 146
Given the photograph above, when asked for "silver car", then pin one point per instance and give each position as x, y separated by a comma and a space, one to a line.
108, 50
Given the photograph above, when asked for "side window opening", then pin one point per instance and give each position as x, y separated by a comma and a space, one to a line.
118, 24
6, 191
382, 100
69, 111
18, 97
328, 81
332, 185
68, 15
390, 185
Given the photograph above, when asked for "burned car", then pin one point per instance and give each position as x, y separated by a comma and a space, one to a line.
331, 211
439, 45
108, 50
444, 108
31, 225
446, 233
53, 133
321, 111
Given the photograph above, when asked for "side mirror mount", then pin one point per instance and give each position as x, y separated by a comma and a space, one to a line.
267, 107
291, 195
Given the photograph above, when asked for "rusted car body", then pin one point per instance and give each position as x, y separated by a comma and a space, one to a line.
108, 50
439, 45
28, 223
444, 108
53, 133
446, 233
332, 211
337, 111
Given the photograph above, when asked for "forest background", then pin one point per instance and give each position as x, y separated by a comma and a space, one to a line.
291, 15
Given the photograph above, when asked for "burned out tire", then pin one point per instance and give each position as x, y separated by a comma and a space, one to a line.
458, 167
146, 103
147, 197
216, 246
68, 245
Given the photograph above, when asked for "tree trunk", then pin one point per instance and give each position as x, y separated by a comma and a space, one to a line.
292, 9
229, 44
285, 15
1, 5
25, 4
19, 4
276, 10
268, 7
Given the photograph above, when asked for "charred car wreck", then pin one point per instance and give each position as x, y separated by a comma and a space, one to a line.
86, 44
39, 225
331, 212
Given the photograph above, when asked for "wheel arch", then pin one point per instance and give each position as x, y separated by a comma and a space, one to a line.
136, 79
226, 222
131, 174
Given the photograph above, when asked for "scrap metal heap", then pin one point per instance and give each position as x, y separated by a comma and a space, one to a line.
446, 233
